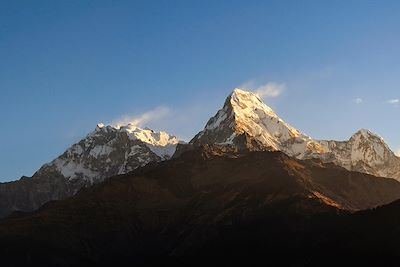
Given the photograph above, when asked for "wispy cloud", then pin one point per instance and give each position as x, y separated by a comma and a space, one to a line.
393, 101
268, 90
145, 118
358, 101
397, 152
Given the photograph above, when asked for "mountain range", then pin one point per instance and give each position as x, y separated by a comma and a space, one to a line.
248, 188
244, 123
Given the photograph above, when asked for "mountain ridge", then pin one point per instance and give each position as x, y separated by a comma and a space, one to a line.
244, 116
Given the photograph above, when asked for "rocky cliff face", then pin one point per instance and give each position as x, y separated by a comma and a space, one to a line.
106, 152
246, 123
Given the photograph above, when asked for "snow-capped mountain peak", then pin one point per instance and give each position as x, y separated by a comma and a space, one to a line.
243, 117
367, 141
249, 108
366, 134
111, 150
241, 100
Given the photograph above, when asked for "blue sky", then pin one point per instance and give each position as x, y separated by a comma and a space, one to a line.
67, 65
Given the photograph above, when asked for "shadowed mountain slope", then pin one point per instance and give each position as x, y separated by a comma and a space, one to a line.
206, 202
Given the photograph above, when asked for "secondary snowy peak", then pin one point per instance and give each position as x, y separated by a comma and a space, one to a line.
110, 150
364, 152
367, 141
247, 123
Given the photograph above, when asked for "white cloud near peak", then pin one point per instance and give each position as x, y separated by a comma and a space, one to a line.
393, 101
358, 100
268, 90
145, 118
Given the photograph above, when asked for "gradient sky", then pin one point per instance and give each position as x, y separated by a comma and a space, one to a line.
67, 65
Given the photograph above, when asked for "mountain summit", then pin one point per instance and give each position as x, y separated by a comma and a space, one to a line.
111, 150
246, 123
364, 152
